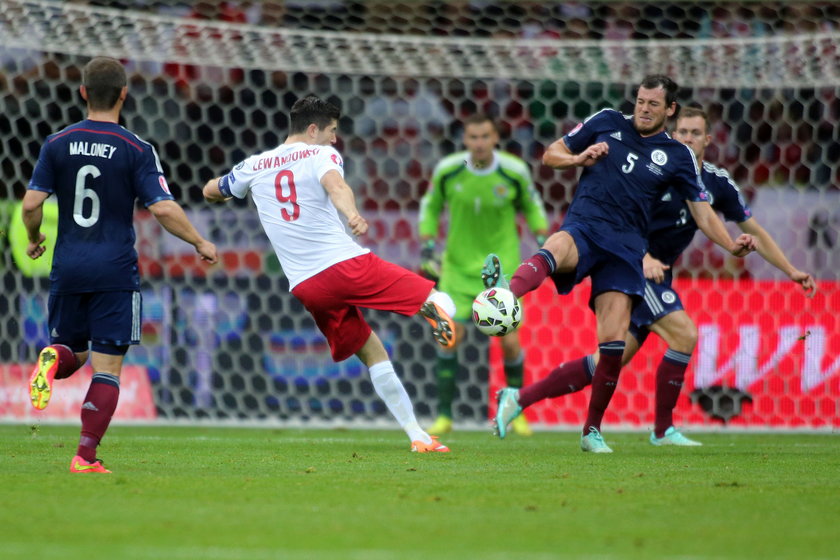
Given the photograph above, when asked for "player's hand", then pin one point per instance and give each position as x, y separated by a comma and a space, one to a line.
744, 245
654, 269
36, 249
207, 251
806, 281
358, 225
429, 261
592, 154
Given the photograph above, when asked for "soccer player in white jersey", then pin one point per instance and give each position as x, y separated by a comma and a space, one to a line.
300, 194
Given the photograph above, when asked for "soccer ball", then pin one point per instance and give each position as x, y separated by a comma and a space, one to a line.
496, 311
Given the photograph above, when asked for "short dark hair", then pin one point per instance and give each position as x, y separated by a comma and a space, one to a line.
312, 110
694, 111
480, 118
653, 81
103, 78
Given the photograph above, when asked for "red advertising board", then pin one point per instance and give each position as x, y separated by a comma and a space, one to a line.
136, 400
762, 338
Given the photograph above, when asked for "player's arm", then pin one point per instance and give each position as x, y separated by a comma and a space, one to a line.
342, 197
709, 223
428, 222
536, 217
531, 204
772, 253
172, 217
559, 156
212, 193
32, 213
431, 206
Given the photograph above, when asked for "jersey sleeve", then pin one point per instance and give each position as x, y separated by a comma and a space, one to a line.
43, 178
149, 181
431, 205
584, 134
328, 159
237, 181
730, 201
687, 180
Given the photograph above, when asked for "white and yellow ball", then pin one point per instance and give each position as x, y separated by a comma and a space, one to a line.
496, 311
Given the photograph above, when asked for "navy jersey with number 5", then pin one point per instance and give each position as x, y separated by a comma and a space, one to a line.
615, 196
97, 170
672, 227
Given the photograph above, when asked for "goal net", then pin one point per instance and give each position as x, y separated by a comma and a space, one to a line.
212, 84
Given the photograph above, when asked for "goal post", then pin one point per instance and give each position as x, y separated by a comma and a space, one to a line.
230, 344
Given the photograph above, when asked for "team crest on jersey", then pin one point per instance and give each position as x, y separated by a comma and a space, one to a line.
659, 157
575, 129
501, 191
163, 184
337, 160
669, 297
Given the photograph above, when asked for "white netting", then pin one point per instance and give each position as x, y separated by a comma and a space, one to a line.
233, 343
776, 61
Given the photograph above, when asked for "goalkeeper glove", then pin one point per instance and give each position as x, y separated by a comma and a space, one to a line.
429, 261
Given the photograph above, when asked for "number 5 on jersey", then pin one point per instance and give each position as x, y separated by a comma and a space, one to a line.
631, 162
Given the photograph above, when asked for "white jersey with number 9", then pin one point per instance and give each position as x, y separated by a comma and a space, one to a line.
301, 222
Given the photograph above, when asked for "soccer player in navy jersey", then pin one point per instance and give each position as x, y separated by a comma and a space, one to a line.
671, 230
96, 169
628, 161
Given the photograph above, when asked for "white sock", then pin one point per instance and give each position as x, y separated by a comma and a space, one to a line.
390, 389
444, 301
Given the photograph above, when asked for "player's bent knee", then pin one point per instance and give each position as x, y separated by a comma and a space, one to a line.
678, 331
562, 247
690, 337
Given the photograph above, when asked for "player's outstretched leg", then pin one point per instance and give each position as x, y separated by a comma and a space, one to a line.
507, 410
594, 442
491, 273
43, 375
673, 437
443, 327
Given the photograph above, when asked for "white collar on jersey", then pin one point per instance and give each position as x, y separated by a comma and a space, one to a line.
484, 170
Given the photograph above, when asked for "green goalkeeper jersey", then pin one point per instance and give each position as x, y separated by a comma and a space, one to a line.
483, 205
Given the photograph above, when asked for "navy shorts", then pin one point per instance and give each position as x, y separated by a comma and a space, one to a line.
110, 321
613, 267
659, 300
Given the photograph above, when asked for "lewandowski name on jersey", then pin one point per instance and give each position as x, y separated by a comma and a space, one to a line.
279, 161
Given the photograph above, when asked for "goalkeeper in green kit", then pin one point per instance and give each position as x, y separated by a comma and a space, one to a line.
483, 189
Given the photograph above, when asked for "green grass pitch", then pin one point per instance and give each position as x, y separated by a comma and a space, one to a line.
255, 494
